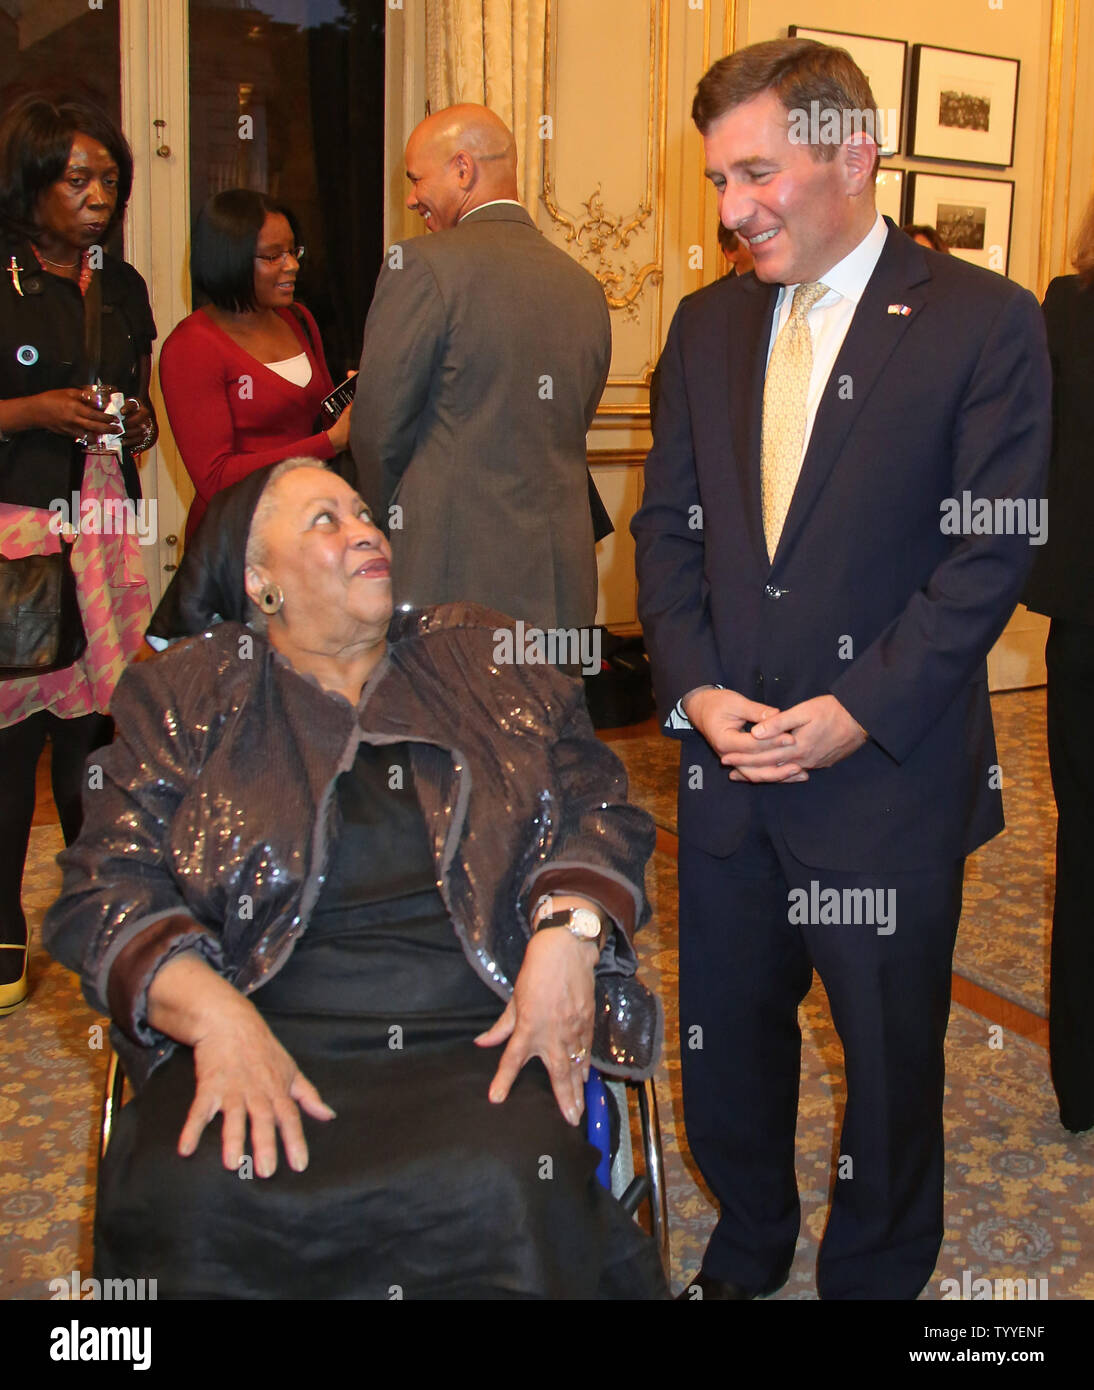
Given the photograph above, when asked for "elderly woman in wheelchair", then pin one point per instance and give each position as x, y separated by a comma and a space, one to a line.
334, 861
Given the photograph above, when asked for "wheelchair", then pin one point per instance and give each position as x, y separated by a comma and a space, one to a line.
615, 1170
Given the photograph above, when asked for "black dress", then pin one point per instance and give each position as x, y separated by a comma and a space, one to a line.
420, 1188
1061, 585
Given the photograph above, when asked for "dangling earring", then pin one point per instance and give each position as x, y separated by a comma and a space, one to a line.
270, 599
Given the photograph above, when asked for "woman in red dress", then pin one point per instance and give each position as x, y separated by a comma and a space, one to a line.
243, 377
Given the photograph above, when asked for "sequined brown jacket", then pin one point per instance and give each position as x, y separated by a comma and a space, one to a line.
216, 816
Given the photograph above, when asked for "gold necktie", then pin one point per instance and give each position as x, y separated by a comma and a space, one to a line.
786, 397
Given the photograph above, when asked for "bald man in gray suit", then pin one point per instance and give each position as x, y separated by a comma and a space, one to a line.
485, 355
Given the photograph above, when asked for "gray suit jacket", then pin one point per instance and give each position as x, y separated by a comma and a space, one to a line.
485, 356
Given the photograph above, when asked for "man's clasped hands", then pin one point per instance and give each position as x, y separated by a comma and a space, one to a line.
780, 746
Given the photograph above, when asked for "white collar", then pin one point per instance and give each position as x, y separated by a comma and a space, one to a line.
493, 203
849, 277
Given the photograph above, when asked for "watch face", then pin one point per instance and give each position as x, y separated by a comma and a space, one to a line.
585, 923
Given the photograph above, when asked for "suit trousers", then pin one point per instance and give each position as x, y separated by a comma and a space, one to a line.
1069, 656
746, 962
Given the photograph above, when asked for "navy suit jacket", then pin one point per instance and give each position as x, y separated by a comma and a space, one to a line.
867, 598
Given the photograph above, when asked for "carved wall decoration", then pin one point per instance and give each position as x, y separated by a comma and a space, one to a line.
597, 236
601, 236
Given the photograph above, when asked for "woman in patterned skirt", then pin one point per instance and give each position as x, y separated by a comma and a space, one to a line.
65, 176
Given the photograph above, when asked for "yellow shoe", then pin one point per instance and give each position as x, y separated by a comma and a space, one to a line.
11, 996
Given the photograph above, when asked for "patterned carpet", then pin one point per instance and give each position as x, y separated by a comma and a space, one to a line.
49, 1098
1020, 1190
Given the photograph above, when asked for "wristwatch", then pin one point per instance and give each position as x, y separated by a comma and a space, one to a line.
582, 922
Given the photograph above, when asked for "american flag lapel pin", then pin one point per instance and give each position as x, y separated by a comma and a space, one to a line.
902, 309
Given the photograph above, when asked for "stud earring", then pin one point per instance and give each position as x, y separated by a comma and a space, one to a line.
270, 599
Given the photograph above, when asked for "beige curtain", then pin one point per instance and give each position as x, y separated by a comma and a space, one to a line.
491, 51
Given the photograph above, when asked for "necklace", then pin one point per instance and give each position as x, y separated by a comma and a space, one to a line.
84, 278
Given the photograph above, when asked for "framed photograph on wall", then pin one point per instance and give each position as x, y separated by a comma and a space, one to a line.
883, 61
973, 216
889, 193
964, 106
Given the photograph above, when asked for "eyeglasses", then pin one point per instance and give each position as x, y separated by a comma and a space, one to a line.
295, 253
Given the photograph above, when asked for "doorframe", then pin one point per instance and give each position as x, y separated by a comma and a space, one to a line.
155, 81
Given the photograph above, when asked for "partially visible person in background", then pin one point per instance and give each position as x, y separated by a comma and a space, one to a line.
739, 260
65, 176
926, 236
485, 356
244, 375
1062, 586
738, 256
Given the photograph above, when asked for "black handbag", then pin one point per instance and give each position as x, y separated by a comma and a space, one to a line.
40, 625
621, 692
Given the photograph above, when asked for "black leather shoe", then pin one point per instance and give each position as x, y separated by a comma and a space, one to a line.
704, 1288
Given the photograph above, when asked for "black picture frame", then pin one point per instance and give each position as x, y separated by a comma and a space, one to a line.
836, 38
926, 193
954, 125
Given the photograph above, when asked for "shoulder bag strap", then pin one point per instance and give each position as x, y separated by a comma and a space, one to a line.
93, 326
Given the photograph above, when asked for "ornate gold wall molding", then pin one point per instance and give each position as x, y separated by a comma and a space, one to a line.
1071, 112
1068, 135
1052, 140
600, 234
596, 236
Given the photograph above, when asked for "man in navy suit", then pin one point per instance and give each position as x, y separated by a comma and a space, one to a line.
818, 635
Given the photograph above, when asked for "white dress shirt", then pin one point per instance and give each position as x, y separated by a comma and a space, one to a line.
492, 203
830, 318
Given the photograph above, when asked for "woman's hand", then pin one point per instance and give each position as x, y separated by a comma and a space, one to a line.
245, 1074
140, 424
550, 1016
338, 434
242, 1071
67, 412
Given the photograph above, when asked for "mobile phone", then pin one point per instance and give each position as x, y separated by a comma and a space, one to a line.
339, 398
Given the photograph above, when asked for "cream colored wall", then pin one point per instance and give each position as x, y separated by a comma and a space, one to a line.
623, 191
1071, 134
155, 86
